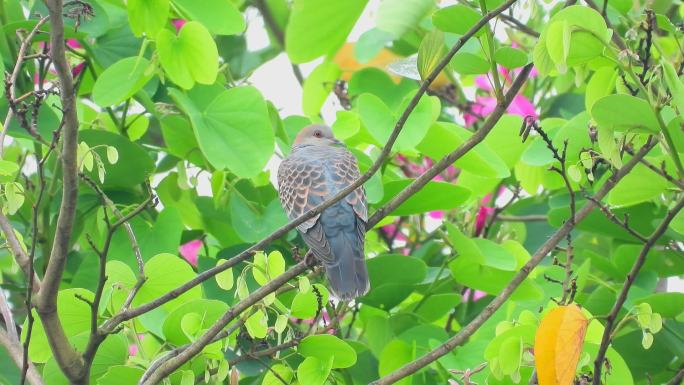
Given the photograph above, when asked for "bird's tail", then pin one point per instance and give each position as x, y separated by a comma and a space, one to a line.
348, 276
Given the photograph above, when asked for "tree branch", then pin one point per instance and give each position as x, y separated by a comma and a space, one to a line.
502, 297
12, 80
18, 250
69, 360
622, 296
207, 274
15, 352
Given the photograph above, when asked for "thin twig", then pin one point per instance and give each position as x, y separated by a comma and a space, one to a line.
622, 296
12, 80
14, 350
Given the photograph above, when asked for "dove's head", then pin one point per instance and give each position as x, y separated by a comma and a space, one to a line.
316, 135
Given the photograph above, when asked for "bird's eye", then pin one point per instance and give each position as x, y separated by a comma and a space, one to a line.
318, 134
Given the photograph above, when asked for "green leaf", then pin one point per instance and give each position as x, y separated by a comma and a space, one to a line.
252, 223
647, 340
437, 306
8, 168
466, 63
164, 273
430, 52
112, 154
433, 196
313, 371
74, 314
280, 324
319, 27
622, 112
224, 279
400, 16
328, 347
674, 83
317, 87
147, 16
600, 85
510, 57
456, 19
121, 375
267, 268
205, 311
395, 355
190, 57
134, 165
510, 355
304, 305
443, 138
121, 81
257, 324
233, 130
380, 119
491, 280
219, 16
393, 278
283, 372
640, 185
190, 325
669, 305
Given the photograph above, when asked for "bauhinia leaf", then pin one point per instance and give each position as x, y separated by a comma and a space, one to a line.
558, 344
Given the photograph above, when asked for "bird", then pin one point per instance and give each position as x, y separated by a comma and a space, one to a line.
317, 168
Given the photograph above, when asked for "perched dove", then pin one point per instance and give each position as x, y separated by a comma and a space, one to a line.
318, 167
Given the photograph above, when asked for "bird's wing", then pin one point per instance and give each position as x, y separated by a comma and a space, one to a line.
345, 172
302, 187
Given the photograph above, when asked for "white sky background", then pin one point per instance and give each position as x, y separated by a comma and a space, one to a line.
278, 84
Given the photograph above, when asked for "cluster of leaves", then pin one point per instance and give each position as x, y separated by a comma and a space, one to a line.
163, 96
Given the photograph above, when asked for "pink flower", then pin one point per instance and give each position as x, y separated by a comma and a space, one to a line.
477, 295
522, 106
178, 23
439, 214
73, 43
390, 229
132, 349
77, 69
481, 219
190, 250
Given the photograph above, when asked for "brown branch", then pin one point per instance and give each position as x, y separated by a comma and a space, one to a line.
624, 223
18, 249
34, 243
12, 80
678, 378
203, 276
622, 296
68, 359
15, 352
517, 24
502, 297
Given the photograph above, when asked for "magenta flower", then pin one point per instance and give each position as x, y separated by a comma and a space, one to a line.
484, 105
481, 218
390, 229
77, 69
132, 349
178, 23
73, 43
190, 251
477, 295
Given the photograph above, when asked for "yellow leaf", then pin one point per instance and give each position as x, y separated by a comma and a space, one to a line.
558, 344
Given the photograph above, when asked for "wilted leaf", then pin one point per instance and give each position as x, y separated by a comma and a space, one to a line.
558, 344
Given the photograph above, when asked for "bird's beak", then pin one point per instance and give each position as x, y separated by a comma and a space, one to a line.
337, 142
